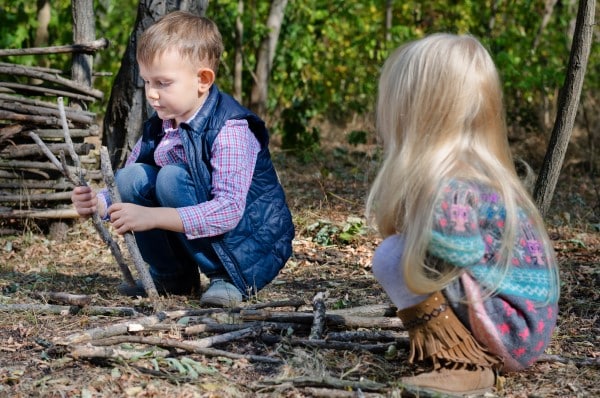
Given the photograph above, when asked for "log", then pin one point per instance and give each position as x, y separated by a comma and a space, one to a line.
36, 197
39, 110
30, 150
93, 130
47, 91
45, 214
89, 47
10, 131
21, 117
25, 71
14, 182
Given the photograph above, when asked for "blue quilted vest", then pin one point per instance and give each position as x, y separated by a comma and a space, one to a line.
254, 252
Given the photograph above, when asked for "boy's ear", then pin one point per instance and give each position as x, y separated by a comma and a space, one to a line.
206, 78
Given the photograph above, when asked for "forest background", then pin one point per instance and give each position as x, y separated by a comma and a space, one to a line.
319, 106
328, 55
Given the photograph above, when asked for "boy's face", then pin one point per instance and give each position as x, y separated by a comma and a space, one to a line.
174, 86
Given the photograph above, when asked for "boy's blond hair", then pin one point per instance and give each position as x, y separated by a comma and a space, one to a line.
440, 116
196, 38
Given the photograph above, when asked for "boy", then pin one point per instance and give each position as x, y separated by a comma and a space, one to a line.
199, 189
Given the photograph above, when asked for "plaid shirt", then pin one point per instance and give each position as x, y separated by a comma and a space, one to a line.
233, 157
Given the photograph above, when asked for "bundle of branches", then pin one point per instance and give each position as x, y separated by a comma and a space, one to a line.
30, 186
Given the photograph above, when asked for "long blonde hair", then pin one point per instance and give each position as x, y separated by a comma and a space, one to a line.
440, 116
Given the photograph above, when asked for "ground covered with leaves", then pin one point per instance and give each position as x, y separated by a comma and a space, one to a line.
332, 256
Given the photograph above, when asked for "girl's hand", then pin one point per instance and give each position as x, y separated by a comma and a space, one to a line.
85, 201
129, 217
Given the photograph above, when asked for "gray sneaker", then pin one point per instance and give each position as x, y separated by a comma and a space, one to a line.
221, 293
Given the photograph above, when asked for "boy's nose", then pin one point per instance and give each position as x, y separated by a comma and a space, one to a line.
151, 93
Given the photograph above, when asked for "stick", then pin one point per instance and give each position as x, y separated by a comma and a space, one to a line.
316, 332
96, 221
90, 47
576, 361
355, 335
138, 261
327, 381
331, 320
188, 346
335, 345
54, 309
89, 351
46, 91
79, 300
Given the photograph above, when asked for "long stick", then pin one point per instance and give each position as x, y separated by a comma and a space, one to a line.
138, 261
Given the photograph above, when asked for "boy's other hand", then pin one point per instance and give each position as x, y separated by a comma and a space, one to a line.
85, 201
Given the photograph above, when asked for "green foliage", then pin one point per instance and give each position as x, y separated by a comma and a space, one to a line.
326, 233
329, 53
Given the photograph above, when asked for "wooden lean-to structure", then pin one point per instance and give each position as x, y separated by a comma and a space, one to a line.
30, 185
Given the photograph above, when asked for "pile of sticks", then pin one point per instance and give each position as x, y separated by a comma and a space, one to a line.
30, 185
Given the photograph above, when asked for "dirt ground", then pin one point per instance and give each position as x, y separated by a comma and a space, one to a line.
332, 254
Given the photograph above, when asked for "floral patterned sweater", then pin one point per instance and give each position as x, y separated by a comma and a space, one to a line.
517, 321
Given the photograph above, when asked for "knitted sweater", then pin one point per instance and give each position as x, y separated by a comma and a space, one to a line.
517, 321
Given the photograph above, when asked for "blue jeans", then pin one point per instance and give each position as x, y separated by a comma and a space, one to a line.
170, 255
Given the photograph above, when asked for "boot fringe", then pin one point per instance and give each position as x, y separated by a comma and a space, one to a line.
437, 334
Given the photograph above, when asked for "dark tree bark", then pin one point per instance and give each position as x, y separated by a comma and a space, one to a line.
568, 102
127, 107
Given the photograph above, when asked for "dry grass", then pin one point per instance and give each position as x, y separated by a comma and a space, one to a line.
323, 195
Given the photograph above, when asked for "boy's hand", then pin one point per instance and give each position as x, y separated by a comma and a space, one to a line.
85, 201
129, 217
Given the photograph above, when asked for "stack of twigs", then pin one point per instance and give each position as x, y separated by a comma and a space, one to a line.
30, 185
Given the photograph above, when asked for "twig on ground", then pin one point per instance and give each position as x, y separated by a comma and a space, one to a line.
334, 345
328, 382
331, 320
368, 335
187, 345
575, 361
69, 309
89, 351
318, 325
80, 300
172, 343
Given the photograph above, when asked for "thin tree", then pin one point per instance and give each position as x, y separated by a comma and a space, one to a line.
266, 54
568, 102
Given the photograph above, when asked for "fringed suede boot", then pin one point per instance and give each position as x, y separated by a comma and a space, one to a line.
461, 366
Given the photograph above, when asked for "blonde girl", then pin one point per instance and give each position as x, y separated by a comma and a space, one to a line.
465, 256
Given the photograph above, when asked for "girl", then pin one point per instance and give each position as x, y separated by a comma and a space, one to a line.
466, 258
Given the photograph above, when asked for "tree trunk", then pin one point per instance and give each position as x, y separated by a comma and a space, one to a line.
568, 102
239, 60
266, 53
84, 31
127, 107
